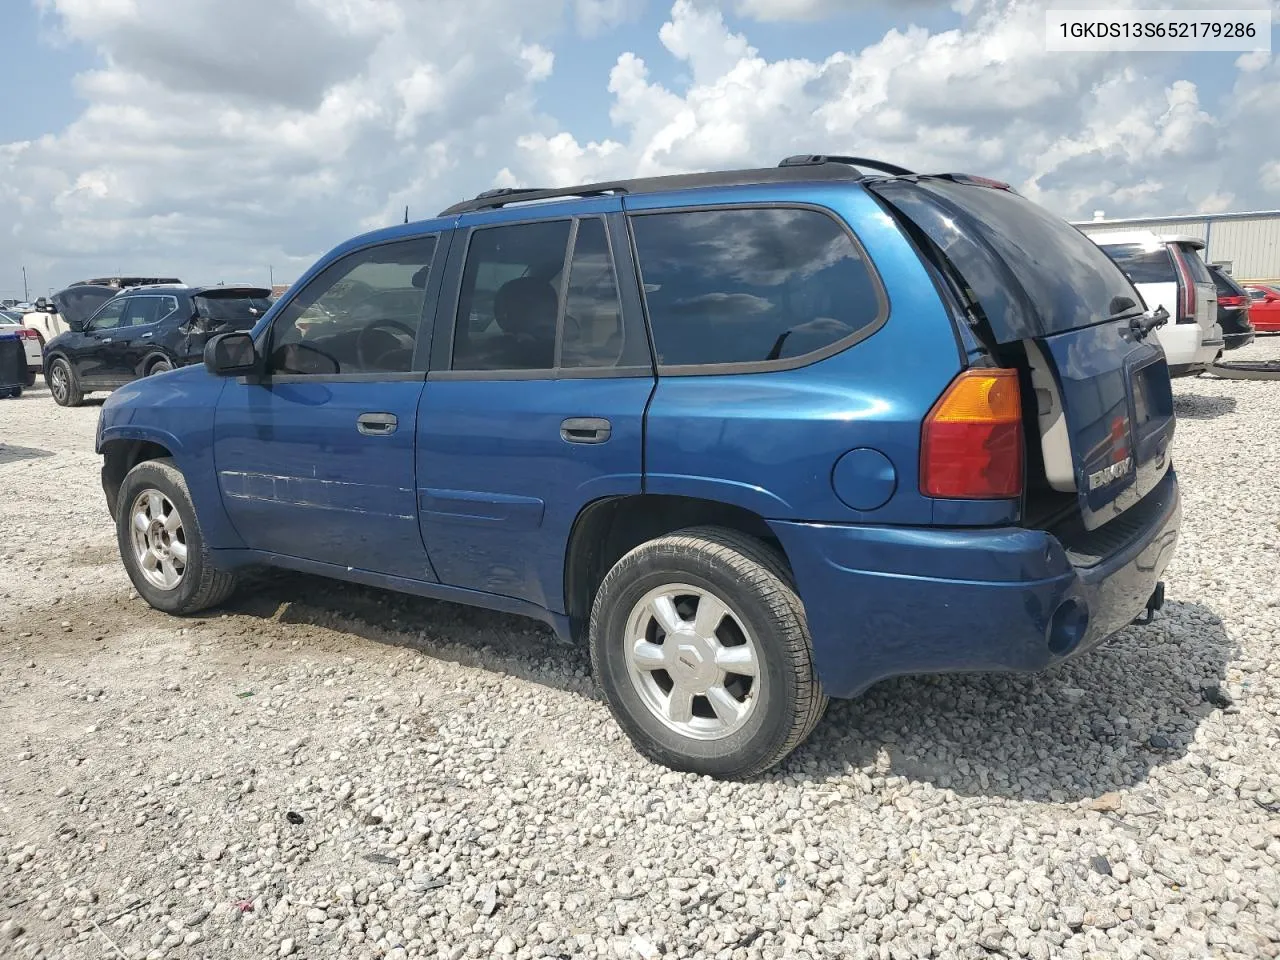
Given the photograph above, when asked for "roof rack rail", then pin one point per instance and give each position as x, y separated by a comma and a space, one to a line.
816, 159
834, 169
501, 196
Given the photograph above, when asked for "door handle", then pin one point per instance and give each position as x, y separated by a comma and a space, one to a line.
145, 335
377, 424
585, 430
104, 340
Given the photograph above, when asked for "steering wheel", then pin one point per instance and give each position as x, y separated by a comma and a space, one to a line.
364, 342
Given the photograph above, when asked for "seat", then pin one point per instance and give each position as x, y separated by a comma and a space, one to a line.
525, 310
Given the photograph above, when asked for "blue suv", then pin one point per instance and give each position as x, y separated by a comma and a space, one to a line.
758, 437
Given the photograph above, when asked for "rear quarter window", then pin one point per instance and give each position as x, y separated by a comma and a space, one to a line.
1195, 263
753, 285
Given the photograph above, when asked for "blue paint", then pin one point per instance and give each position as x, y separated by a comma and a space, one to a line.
864, 479
475, 496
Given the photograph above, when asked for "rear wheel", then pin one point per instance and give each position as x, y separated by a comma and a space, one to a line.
62, 384
161, 544
31, 377
700, 644
160, 366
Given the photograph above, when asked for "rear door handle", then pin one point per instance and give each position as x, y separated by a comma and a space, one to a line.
145, 335
585, 430
377, 424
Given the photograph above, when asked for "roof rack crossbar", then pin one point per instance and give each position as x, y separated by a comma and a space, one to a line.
816, 159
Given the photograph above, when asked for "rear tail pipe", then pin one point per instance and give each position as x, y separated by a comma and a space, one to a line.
1154, 603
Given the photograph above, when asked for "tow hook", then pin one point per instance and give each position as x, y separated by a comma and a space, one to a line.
1154, 603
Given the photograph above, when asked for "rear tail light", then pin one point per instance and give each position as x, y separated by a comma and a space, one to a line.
26, 333
1230, 301
1186, 288
971, 444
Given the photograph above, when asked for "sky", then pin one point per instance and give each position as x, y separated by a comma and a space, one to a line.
239, 140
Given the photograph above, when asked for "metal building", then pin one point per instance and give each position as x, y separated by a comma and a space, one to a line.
1246, 244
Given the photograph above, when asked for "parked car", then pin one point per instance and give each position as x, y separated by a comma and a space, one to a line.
145, 331
889, 424
1265, 307
1233, 309
1169, 272
52, 316
11, 322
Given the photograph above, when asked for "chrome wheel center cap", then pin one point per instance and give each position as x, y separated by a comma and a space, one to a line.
694, 664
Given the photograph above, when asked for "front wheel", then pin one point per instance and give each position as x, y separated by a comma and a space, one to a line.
62, 384
700, 644
160, 542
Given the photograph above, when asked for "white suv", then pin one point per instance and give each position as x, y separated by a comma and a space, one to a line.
1169, 272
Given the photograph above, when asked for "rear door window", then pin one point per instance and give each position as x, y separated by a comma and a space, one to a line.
1143, 263
750, 286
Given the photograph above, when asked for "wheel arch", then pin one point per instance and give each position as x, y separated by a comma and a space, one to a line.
121, 453
607, 529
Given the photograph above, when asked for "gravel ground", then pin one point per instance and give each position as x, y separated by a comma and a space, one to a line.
321, 770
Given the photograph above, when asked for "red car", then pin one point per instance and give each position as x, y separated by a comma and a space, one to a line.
1265, 311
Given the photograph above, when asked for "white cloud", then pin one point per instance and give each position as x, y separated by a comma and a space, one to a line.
1076, 132
221, 136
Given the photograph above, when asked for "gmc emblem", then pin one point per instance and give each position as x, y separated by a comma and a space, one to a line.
1110, 474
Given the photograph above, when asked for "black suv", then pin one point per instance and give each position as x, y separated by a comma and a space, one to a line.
1233, 309
142, 331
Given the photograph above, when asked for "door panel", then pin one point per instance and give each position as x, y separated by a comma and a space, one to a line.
300, 478
90, 354
499, 487
535, 406
316, 461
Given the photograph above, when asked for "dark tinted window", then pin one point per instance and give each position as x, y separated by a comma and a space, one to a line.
742, 286
360, 314
1256, 294
510, 297
1226, 285
1071, 282
593, 332
238, 310
1199, 270
1142, 263
145, 310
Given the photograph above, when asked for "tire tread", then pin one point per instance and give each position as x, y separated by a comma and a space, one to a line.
759, 569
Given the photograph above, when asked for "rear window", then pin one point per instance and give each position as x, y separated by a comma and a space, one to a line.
752, 285
1227, 287
1143, 264
1067, 280
232, 308
1199, 270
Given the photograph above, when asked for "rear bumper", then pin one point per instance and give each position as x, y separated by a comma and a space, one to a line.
885, 601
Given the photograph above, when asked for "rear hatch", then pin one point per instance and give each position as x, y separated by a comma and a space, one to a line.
1202, 301
224, 309
1031, 281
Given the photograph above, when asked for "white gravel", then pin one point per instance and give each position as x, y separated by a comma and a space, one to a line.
328, 771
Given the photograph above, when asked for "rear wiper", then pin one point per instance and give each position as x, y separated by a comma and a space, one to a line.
1143, 325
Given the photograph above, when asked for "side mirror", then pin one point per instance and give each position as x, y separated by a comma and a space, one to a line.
1271, 297
230, 355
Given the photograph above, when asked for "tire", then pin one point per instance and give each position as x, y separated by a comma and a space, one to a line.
160, 366
30, 380
158, 490
63, 384
763, 615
